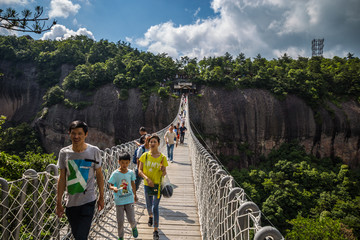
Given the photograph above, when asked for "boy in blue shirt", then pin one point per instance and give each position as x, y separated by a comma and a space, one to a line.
122, 182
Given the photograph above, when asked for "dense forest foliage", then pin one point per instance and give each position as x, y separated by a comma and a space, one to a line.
96, 63
303, 196
20, 149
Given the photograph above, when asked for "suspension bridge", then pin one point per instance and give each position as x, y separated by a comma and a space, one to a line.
207, 202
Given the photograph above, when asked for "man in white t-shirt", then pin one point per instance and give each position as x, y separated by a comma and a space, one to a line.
170, 137
79, 163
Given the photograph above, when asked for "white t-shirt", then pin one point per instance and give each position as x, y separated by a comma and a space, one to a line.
80, 174
170, 137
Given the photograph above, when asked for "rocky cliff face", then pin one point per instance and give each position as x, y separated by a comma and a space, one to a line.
111, 121
20, 95
251, 122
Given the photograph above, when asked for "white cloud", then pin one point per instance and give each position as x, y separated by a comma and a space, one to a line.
291, 51
7, 32
197, 12
128, 39
87, 2
62, 8
268, 27
204, 38
59, 32
14, 2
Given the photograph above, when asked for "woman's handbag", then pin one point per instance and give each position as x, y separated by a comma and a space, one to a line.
166, 187
153, 191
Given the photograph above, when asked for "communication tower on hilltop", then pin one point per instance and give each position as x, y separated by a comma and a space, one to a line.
317, 46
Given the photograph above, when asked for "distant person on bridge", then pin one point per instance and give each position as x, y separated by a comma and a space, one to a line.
180, 118
152, 167
170, 138
176, 130
122, 182
182, 130
142, 132
78, 164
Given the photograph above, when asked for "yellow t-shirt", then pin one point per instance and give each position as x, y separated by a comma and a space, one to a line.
151, 167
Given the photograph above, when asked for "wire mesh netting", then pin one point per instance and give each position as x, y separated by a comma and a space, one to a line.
28, 204
225, 211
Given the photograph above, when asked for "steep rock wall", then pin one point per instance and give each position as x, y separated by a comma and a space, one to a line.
111, 121
20, 94
254, 118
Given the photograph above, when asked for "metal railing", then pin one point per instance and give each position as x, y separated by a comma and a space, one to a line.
224, 209
28, 204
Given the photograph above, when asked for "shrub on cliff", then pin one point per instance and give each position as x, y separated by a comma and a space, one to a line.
123, 94
164, 92
53, 96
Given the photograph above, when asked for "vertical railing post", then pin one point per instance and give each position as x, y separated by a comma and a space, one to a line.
234, 204
53, 170
28, 176
35, 208
4, 208
221, 179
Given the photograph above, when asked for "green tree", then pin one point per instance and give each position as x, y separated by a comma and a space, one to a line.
164, 92
78, 79
101, 51
121, 81
147, 75
7, 52
191, 70
68, 51
98, 75
320, 228
12, 167
19, 140
167, 67
53, 96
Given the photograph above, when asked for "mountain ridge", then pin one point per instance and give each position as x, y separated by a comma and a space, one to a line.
229, 120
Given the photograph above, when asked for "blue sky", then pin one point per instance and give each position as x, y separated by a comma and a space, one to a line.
198, 28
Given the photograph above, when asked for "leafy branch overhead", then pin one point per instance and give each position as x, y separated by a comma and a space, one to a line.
27, 22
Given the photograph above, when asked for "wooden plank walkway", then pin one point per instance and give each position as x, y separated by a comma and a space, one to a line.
178, 214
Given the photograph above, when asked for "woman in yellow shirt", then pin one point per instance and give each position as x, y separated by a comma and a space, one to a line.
152, 167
